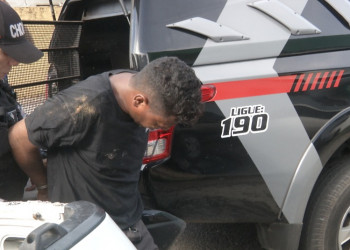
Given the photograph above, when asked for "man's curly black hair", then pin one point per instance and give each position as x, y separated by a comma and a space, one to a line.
173, 89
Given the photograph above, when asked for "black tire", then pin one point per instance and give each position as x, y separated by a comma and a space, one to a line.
328, 210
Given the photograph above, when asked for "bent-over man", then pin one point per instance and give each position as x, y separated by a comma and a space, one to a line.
95, 134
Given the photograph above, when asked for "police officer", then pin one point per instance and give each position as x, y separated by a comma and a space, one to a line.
14, 49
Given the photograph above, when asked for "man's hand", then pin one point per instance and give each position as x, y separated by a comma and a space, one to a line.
43, 195
42, 191
30, 188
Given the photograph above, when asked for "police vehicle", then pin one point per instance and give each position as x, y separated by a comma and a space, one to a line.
272, 146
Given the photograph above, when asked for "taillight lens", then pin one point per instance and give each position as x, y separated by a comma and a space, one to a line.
208, 92
159, 145
159, 141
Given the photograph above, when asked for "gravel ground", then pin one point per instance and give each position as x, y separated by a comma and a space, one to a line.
218, 237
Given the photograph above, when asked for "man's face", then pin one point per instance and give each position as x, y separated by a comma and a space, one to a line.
147, 117
6, 64
151, 120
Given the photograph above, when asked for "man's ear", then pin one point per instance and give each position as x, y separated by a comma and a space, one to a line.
140, 100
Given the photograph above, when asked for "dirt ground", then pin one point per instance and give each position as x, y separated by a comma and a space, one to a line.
218, 237
37, 13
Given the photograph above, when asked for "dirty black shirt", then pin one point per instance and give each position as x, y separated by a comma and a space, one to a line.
95, 149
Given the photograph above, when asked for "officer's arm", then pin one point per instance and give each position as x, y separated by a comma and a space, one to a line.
28, 157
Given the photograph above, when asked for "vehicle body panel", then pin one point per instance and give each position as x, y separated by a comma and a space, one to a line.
296, 111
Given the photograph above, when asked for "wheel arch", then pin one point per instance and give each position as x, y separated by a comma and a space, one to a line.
328, 143
331, 142
333, 136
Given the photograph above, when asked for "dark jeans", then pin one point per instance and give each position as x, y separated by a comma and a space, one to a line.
140, 237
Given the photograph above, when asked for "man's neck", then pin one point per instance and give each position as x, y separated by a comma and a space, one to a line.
120, 84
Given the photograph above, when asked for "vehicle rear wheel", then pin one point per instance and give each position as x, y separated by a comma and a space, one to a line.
327, 220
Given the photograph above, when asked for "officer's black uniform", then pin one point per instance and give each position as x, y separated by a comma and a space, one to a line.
12, 178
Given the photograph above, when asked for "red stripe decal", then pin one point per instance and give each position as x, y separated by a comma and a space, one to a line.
307, 82
254, 87
297, 87
313, 86
274, 85
338, 78
330, 81
324, 77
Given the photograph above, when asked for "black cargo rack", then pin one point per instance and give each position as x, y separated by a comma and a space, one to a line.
58, 69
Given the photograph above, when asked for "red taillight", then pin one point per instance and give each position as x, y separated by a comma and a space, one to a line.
159, 141
159, 145
208, 92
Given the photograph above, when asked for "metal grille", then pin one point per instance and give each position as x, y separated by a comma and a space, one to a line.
58, 69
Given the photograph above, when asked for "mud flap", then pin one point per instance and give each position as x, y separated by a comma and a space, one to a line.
279, 236
164, 227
